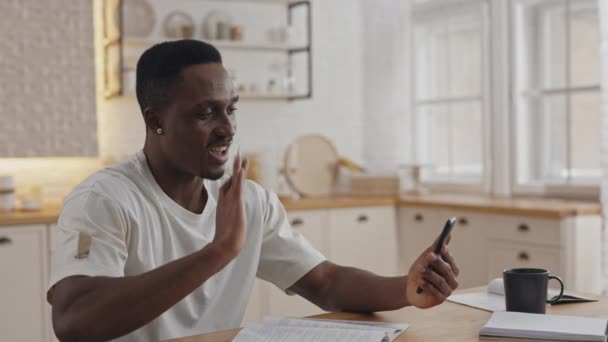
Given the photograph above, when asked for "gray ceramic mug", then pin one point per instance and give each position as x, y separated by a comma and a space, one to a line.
526, 289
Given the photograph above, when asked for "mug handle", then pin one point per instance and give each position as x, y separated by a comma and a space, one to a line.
561, 290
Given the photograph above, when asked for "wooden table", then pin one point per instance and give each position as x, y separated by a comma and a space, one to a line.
446, 322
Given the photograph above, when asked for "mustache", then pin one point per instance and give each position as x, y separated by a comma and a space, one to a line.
221, 142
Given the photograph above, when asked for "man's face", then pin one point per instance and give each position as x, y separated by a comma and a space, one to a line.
199, 121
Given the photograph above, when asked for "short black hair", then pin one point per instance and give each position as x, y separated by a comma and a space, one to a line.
158, 68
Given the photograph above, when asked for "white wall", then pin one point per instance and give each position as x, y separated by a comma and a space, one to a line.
386, 92
267, 128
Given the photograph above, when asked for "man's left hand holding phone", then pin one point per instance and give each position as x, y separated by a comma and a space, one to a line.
432, 277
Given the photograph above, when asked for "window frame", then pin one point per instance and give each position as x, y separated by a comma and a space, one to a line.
424, 14
582, 189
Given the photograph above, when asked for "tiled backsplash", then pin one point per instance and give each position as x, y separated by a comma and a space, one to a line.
48, 89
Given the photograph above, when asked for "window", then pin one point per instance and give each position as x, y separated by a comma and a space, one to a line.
556, 91
449, 91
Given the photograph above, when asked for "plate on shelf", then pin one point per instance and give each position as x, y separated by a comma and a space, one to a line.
139, 18
211, 22
178, 24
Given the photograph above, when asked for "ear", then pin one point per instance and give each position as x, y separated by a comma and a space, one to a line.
152, 119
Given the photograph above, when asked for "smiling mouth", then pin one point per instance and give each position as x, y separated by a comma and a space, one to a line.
219, 152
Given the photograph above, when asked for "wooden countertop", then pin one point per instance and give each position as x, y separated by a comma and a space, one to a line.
549, 208
336, 202
446, 322
541, 207
45, 216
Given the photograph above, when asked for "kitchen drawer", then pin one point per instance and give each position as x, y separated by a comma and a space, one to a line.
365, 238
363, 215
312, 224
418, 229
524, 229
422, 224
503, 255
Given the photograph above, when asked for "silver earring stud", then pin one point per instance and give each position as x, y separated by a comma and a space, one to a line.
159, 131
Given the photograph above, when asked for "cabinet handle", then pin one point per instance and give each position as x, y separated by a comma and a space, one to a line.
362, 218
419, 217
523, 256
463, 221
297, 222
5, 240
524, 228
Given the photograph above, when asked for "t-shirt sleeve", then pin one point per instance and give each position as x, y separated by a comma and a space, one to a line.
286, 255
90, 238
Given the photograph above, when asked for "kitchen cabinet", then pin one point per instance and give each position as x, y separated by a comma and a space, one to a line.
419, 227
24, 314
485, 244
374, 235
364, 238
569, 247
312, 224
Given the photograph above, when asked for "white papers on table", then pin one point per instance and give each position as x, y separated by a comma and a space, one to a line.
279, 329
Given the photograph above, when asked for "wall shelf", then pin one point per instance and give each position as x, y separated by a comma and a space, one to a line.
270, 97
225, 44
114, 43
260, 96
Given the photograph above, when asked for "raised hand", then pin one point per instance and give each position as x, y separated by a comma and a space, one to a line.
230, 215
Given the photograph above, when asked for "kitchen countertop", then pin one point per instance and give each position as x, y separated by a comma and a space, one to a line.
47, 215
539, 207
336, 202
524, 206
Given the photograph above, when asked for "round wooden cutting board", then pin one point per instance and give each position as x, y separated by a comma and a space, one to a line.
311, 165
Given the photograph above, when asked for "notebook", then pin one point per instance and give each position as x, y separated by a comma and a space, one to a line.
274, 329
536, 327
493, 299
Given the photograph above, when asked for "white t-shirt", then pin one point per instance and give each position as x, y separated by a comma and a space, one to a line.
119, 222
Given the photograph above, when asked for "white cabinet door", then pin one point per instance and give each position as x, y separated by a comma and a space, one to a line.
23, 260
365, 238
542, 231
313, 225
468, 247
418, 228
503, 255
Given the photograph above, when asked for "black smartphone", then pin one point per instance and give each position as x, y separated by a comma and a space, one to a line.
447, 229
443, 237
